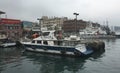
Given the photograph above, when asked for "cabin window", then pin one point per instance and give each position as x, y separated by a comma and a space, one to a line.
39, 42
45, 33
33, 41
55, 43
45, 42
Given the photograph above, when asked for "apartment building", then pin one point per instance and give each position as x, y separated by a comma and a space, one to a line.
48, 21
70, 26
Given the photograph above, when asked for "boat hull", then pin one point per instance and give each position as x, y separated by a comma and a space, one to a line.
8, 45
60, 50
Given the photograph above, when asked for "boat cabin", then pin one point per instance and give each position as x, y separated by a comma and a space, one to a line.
47, 38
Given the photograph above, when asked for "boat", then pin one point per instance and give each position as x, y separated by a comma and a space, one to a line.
48, 43
91, 32
72, 37
7, 43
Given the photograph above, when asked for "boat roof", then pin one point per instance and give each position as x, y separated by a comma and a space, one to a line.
48, 31
49, 37
38, 38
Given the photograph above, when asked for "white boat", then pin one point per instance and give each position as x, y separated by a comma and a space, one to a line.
7, 43
91, 32
72, 38
48, 43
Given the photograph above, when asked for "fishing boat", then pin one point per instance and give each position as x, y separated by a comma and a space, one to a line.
48, 43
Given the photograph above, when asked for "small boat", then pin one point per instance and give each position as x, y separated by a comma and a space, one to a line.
91, 32
48, 43
7, 43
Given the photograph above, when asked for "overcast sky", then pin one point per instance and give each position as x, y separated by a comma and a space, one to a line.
89, 10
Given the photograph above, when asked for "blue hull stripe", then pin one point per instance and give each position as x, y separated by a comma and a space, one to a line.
57, 48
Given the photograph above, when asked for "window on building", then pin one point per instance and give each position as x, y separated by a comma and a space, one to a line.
8, 27
13, 27
17, 27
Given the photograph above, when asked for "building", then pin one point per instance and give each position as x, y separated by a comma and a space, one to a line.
45, 21
11, 28
116, 29
72, 26
27, 27
1, 12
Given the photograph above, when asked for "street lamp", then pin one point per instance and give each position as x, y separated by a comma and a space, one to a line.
76, 14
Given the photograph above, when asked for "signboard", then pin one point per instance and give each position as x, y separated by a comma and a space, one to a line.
9, 21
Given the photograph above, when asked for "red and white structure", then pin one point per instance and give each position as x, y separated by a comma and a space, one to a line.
11, 28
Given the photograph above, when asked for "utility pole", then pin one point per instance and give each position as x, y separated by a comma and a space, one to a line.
76, 14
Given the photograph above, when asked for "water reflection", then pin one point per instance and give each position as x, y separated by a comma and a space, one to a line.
12, 60
97, 56
110, 40
7, 56
56, 64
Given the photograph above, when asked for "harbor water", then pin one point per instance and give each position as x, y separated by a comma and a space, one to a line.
14, 60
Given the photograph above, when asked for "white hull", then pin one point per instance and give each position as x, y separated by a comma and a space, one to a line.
7, 44
50, 51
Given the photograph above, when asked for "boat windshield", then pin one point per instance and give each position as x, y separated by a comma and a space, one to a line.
45, 33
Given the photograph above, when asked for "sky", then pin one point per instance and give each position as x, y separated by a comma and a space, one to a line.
89, 10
